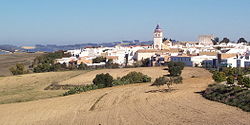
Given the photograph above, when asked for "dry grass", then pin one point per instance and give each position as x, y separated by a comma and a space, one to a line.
9, 60
129, 104
31, 86
87, 78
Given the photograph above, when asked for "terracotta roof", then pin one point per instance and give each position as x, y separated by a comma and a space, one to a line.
208, 53
227, 55
112, 57
151, 51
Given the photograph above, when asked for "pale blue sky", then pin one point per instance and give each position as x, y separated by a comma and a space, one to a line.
29, 22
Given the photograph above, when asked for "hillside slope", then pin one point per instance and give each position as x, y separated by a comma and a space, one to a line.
10, 60
137, 104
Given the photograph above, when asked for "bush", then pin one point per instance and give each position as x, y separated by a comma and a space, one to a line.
219, 76
246, 82
162, 81
18, 69
79, 89
99, 59
240, 80
103, 79
176, 80
230, 80
175, 68
82, 66
110, 64
231, 95
106, 80
136, 77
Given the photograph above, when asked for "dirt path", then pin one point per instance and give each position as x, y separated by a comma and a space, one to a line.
129, 105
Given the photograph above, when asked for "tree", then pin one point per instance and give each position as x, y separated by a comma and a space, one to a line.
230, 80
246, 82
216, 40
18, 69
145, 62
103, 79
111, 64
136, 77
82, 66
162, 81
219, 76
175, 68
175, 71
225, 40
242, 40
99, 59
240, 80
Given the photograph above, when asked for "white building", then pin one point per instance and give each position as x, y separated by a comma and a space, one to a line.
192, 60
206, 40
158, 38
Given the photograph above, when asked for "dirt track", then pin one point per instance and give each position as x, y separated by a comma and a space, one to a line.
131, 104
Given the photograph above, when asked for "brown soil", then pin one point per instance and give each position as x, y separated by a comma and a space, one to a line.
136, 104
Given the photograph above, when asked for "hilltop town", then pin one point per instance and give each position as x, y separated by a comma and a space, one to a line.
208, 52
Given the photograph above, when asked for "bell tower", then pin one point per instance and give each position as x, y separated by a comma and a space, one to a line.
158, 38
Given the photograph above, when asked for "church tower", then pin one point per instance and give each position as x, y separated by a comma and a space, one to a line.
158, 38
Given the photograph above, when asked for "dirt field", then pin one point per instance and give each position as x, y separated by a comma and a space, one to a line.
138, 104
31, 86
9, 60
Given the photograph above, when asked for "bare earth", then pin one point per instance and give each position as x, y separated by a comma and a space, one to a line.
136, 104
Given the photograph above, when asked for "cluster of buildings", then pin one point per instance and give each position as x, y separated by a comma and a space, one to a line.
194, 54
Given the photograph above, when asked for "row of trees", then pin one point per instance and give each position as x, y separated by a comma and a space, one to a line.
232, 76
217, 41
106, 80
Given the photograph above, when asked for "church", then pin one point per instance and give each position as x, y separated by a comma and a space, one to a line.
160, 43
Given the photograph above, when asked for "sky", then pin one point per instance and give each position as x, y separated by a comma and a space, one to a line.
30, 22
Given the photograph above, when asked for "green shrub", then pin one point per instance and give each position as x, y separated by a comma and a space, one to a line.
99, 59
119, 82
18, 69
176, 80
230, 80
136, 77
79, 89
175, 68
106, 80
246, 82
160, 81
240, 80
103, 79
231, 95
219, 76
82, 66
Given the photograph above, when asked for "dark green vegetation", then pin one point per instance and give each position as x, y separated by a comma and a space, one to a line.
219, 76
106, 80
217, 41
232, 76
175, 70
103, 80
10, 60
46, 62
99, 59
135, 77
236, 90
231, 95
19, 69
